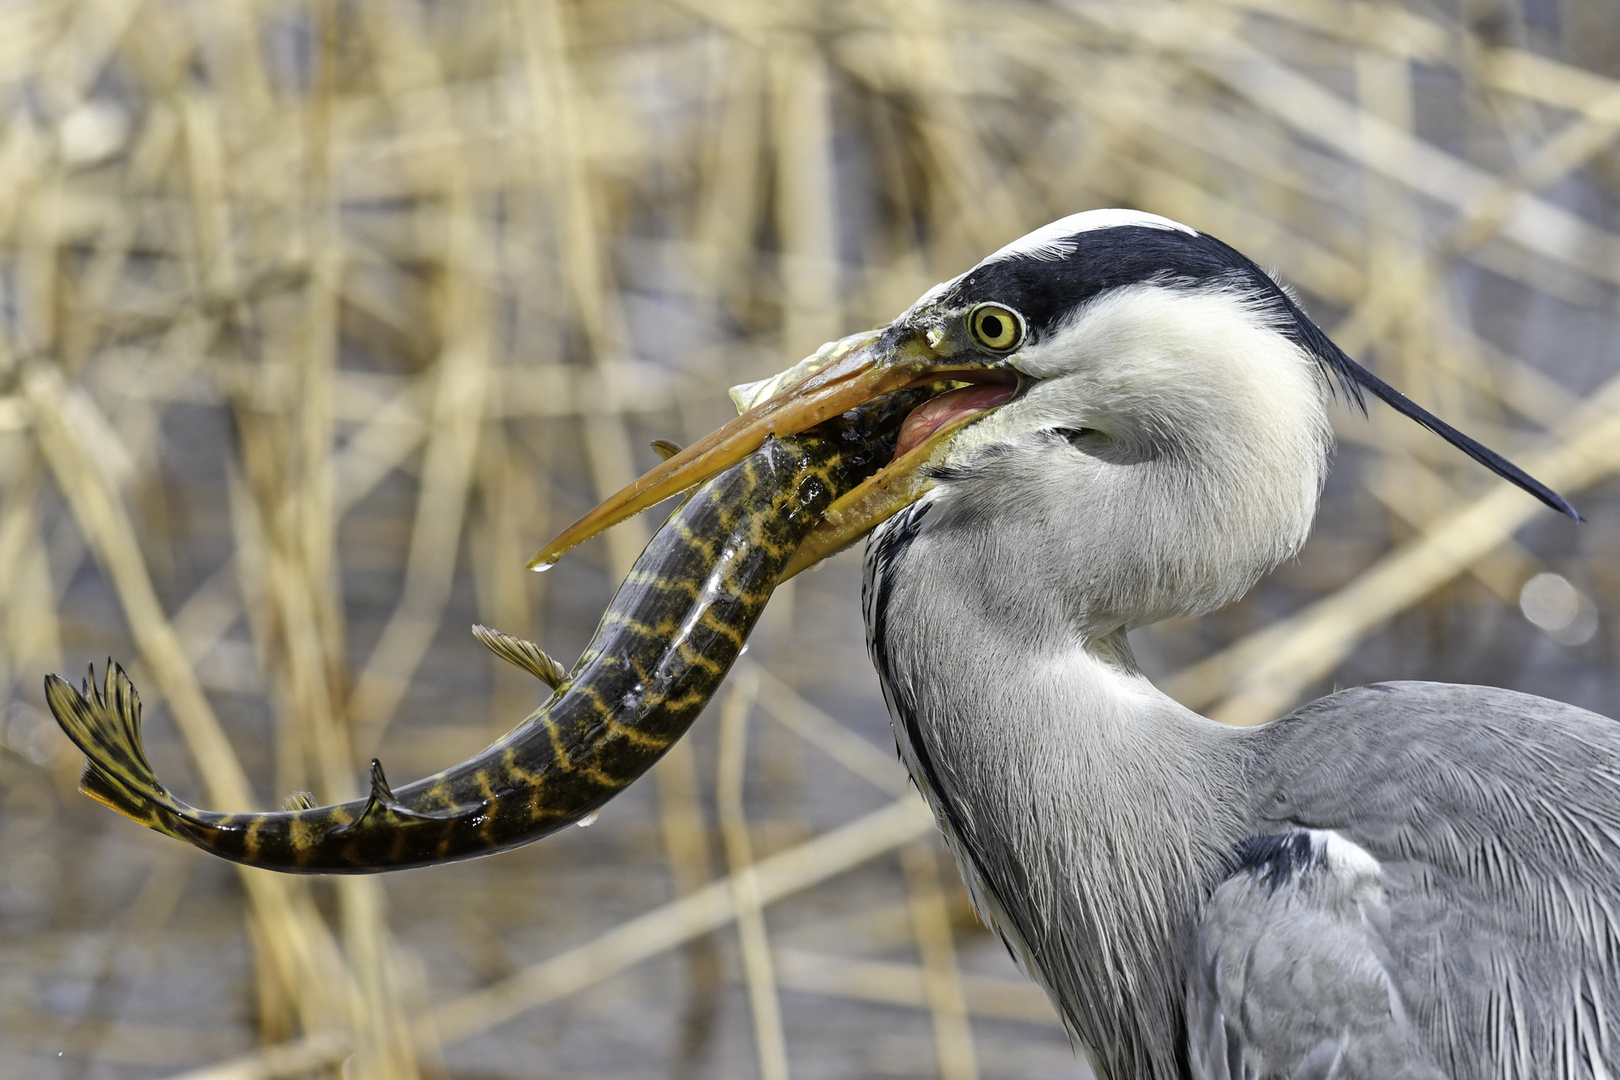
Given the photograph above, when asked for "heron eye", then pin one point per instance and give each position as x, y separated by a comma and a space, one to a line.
997, 328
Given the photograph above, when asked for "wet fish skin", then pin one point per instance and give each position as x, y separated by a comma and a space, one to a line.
663, 647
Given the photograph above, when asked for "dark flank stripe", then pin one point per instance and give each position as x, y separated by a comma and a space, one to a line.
890, 547
638, 686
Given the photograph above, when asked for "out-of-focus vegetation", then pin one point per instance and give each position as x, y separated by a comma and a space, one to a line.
317, 318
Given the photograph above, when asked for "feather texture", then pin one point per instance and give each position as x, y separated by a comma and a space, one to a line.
1409, 880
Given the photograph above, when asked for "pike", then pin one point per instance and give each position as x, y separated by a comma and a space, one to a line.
663, 647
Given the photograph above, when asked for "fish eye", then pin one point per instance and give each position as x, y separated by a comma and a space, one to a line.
997, 328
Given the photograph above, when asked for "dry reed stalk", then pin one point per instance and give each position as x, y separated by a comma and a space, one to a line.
447, 479
511, 511
553, 140
770, 1044
685, 834
147, 914
1268, 670
777, 876
297, 534
806, 207
1543, 79
292, 530
980, 209
1355, 133
458, 398
1532, 223
824, 732
30, 630
942, 982
303, 952
889, 983
1414, 496
1395, 261
724, 254
312, 1054
1411, 35
632, 942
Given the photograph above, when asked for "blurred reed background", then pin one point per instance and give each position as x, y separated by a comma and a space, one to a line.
316, 318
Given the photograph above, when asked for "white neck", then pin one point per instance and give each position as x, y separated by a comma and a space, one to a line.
1080, 799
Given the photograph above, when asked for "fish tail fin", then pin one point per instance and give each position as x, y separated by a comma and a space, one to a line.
105, 722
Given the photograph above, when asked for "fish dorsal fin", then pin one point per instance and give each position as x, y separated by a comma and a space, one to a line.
381, 793
383, 808
299, 800
523, 653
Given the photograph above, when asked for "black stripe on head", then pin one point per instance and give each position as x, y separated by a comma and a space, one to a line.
1049, 284
886, 552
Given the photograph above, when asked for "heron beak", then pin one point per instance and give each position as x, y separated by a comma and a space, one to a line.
924, 439
888, 360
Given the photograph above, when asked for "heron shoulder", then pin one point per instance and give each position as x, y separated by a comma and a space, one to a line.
1494, 817
1410, 763
1406, 724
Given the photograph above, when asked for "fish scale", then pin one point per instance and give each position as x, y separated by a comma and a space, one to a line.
661, 650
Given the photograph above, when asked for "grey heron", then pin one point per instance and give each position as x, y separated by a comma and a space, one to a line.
1401, 880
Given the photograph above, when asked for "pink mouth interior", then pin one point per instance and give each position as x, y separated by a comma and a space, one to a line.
935, 413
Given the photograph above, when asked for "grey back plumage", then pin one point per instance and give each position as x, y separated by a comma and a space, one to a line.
1493, 819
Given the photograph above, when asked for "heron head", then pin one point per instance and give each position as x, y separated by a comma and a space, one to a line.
1115, 383
1169, 437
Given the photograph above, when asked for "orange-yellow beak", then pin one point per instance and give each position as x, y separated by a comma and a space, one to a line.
888, 360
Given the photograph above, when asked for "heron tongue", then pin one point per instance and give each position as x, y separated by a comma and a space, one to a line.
935, 413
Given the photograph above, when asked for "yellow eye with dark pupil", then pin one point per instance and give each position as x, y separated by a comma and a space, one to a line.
996, 327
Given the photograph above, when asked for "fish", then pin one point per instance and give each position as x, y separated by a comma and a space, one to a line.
664, 645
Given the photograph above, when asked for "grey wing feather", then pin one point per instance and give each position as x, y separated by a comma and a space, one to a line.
1291, 978
1495, 820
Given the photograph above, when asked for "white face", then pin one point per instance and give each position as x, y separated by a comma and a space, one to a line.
1166, 368
1168, 450
1161, 344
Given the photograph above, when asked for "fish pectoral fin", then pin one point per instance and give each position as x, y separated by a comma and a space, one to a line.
383, 808
524, 653
299, 800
